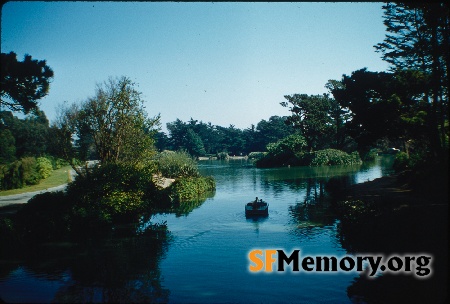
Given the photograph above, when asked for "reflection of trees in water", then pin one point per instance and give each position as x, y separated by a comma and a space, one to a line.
183, 208
314, 209
116, 270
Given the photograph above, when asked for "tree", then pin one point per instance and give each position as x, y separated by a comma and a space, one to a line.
115, 122
30, 134
418, 39
312, 116
23, 83
383, 105
7, 147
267, 131
194, 144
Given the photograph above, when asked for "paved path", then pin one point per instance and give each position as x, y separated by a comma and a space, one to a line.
23, 198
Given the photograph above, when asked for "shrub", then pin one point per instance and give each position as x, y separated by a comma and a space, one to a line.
117, 191
30, 169
19, 173
330, 157
401, 162
286, 151
176, 164
256, 155
191, 188
223, 156
289, 145
44, 167
57, 163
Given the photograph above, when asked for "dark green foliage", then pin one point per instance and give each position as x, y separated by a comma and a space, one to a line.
30, 136
417, 40
194, 144
287, 151
319, 118
7, 146
265, 132
401, 161
23, 83
30, 171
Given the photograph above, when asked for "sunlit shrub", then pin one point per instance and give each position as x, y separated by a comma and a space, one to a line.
19, 173
44, 167
289, 145
191, 188
176, 164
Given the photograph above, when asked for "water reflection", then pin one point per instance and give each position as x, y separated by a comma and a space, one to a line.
114, 270
184, 208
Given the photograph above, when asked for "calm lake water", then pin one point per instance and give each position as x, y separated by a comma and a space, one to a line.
205, 259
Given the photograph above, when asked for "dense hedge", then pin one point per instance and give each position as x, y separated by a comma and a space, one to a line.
26, 171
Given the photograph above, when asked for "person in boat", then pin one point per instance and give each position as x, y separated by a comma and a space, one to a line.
255, 203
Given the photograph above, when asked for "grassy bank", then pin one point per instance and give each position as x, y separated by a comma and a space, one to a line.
57, 178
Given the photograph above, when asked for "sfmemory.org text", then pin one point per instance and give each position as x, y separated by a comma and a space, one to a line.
275, 260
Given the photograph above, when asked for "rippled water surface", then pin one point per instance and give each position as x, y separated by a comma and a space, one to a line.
206, 259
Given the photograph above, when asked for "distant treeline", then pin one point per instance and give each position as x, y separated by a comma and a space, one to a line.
199, 138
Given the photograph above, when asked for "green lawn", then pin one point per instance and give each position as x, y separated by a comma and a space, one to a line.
58, 177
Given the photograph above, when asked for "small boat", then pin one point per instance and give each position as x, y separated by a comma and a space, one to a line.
257, 208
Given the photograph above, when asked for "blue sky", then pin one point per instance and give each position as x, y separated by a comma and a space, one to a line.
224, 63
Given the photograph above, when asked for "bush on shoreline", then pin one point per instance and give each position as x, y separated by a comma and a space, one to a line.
172, 164
106, 197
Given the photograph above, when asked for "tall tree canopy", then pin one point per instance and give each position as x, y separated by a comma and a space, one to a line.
318, 117
418, 38
382, 105
23, 83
